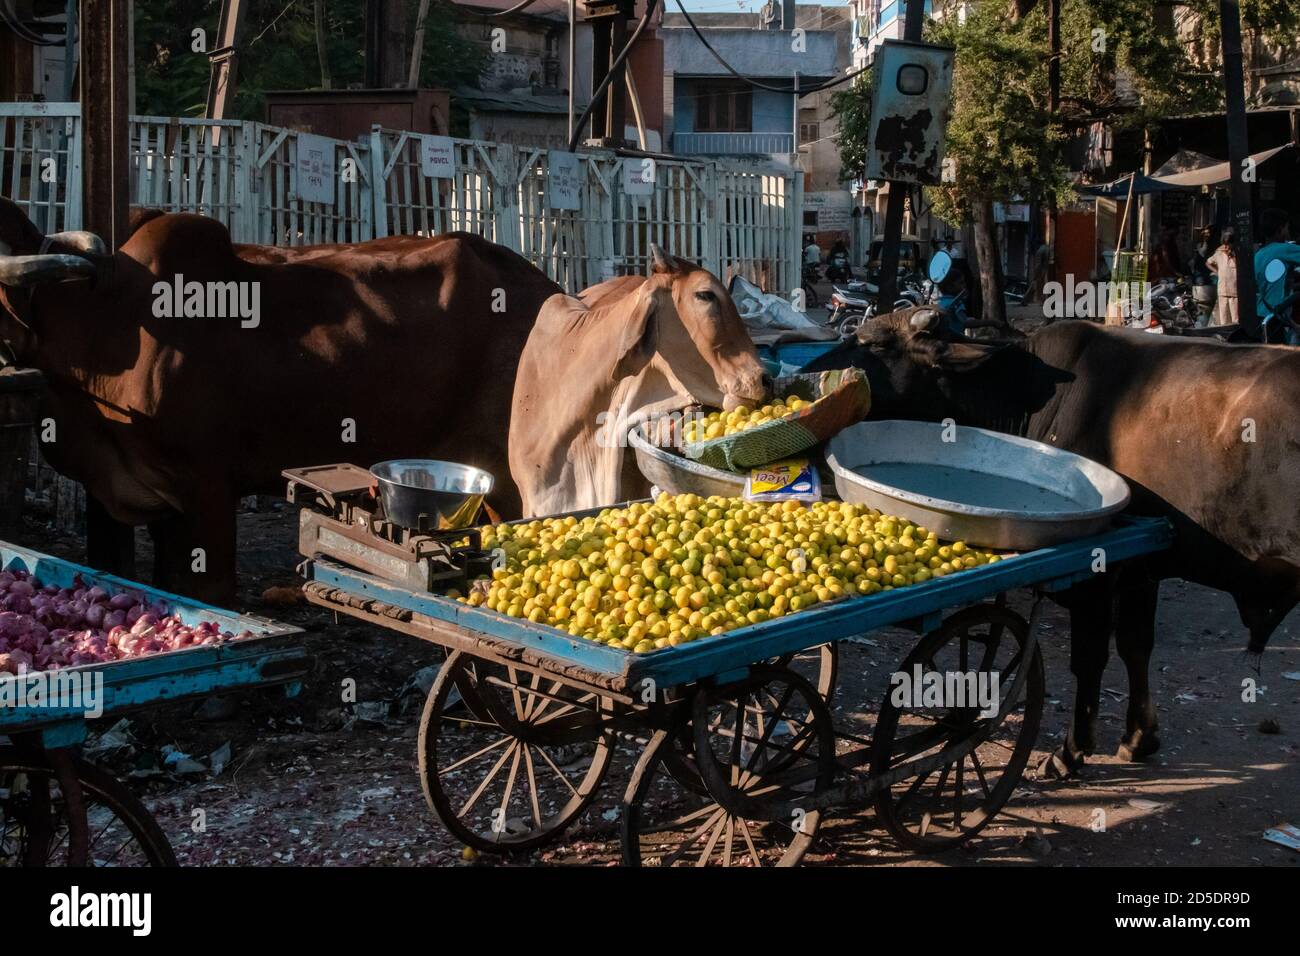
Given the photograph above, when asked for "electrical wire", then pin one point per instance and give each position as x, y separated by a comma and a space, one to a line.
9, 15
802, 91
614, 69
515, 9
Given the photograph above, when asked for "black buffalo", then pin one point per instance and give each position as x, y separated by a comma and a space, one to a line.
1207, 435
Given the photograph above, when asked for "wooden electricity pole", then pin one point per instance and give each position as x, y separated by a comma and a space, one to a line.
105, 111
1053, 108
105, 178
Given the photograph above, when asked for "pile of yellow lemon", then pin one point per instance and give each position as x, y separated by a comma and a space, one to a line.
717, 424
662, 573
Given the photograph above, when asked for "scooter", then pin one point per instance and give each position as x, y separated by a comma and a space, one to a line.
1276, 324
837, 268
854, 303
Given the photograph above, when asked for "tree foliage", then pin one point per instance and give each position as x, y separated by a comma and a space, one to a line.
1001, 141
1122, 62
277, 51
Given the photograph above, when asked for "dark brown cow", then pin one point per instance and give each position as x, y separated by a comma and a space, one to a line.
399, 347
1207, 435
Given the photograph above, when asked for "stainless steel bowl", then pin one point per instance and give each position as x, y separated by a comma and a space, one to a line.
670, 472
983, 487
429, 495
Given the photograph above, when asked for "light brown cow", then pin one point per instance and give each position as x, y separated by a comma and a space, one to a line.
630, 350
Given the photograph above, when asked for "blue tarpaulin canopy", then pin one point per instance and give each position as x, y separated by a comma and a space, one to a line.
1119, 188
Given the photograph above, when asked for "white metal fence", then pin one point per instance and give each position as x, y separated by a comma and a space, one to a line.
733, 217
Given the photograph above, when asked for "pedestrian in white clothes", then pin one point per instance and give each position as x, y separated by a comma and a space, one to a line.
1224, 265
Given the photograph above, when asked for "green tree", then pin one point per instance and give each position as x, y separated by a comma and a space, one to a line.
1001, 141
277, 51
1121, 62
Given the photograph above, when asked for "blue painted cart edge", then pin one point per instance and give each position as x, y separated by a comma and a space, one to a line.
1050, 568
273, 655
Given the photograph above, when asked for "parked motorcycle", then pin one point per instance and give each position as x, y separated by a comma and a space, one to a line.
855, 302
1171, 303
837, 268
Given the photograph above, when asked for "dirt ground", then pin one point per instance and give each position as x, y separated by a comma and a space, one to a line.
314, 781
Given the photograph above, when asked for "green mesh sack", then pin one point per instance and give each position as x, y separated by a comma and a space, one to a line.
841, 397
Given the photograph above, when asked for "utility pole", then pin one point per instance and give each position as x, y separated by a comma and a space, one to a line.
104, 119
573, 60
224, 64
1053, 108
1238, 156
105, 178
912, 27
794, 130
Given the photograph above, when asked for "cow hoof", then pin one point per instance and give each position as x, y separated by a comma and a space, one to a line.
1060, 765
1138, 748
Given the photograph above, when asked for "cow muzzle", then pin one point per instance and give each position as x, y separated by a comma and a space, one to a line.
751, 393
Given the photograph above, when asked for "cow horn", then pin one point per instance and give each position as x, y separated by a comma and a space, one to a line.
660, 261
924, 320
29, 270
78, 239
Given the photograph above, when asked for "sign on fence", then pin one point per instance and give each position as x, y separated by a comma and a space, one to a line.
639, 176
315, 168
438, 157
564, 172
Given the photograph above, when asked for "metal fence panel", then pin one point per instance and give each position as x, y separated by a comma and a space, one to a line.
40, 162
190, 165
283, 216
732, 217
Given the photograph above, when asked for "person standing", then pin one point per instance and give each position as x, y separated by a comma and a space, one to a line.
1223, 263
1040, 272
812, 253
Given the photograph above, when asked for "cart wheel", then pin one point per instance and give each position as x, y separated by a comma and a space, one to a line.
819, 665
948, 805
515, 781
34, 825
665, 825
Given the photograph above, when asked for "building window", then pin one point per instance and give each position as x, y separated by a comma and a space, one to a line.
724, 108
809, 132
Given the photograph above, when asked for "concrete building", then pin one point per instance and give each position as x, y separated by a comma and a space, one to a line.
708, 112
522, 95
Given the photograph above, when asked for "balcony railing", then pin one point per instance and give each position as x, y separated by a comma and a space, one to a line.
732, 144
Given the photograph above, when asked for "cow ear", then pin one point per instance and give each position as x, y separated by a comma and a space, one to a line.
661, 262
640, 333
963, 356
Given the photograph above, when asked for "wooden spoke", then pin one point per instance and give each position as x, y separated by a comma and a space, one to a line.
529, 715
912, 808
473, 798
